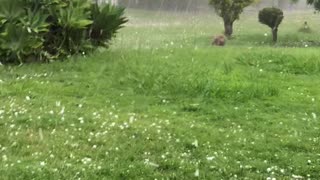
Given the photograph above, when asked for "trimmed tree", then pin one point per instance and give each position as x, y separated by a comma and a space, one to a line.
271, 17
229, 11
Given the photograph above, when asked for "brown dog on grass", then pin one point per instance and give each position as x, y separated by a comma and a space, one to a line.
219, 40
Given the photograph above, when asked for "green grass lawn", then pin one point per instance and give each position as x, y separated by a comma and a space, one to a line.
162, 103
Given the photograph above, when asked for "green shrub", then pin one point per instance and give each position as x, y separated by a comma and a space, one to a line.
271, 17
42, 30
106, 21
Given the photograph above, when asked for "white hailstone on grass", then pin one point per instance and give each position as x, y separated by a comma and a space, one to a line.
28, 98
151, 164
309, 161
62, 110
146, 161
314, 115
297, 176
197, 173
269, 169
195, 143
4, 158
81, 120
86, 160
51, 112
265, 34
306, 45
210, 158
42, 163
131, 119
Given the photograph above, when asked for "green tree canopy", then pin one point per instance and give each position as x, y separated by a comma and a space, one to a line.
230, 11
271, 17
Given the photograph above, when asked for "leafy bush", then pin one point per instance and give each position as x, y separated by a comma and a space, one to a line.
107, 20
271, 17
42, 30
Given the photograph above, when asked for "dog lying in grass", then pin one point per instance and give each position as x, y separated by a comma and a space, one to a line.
219, 40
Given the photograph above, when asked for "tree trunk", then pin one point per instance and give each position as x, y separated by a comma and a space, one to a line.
275, 34
228, 28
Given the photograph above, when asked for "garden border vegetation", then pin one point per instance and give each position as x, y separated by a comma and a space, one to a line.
44, 30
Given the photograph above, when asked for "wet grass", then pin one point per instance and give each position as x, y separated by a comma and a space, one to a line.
162, 103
